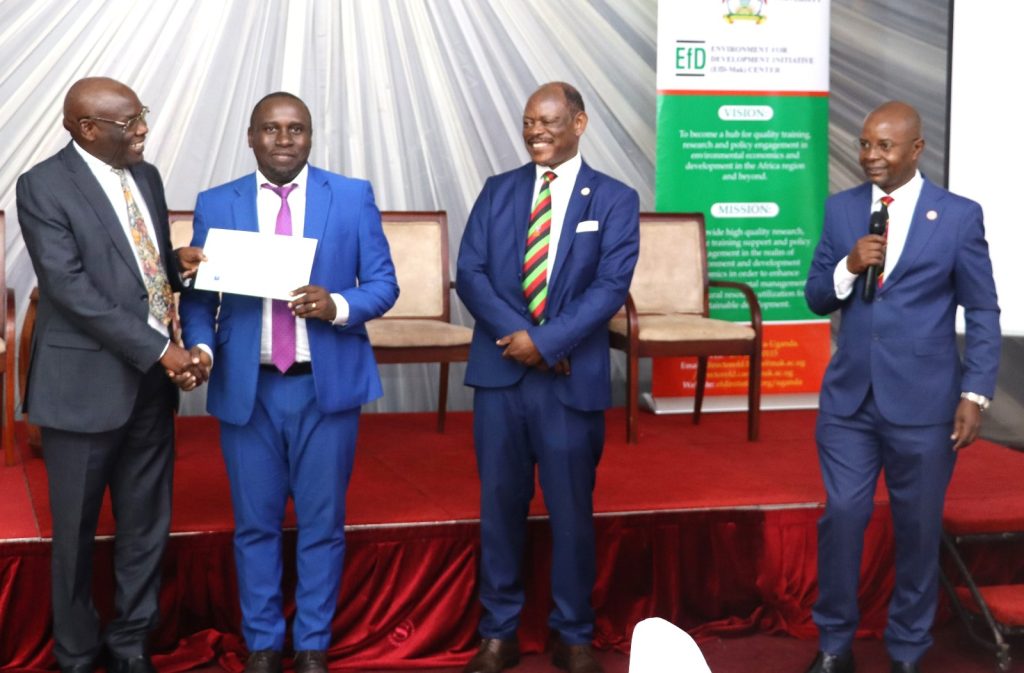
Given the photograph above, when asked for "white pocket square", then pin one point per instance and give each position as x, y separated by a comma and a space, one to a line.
588, 225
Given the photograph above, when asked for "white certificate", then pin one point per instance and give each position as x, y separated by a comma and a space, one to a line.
255, 264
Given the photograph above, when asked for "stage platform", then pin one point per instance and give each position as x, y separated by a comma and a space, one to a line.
694, 524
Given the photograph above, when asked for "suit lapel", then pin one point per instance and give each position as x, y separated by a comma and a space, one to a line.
87, 184
927, 217
243, 210
522, 204
318, 204
160, 224
578, 202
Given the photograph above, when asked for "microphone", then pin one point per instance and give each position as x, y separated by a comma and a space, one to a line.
875, 226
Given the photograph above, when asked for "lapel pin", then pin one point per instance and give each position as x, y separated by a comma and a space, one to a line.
585, 191
932, 215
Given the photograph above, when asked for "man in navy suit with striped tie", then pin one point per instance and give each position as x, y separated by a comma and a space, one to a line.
546, 260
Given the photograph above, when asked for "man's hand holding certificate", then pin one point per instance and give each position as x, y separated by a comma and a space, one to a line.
255, 264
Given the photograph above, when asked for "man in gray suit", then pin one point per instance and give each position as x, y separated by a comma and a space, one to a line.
95, 224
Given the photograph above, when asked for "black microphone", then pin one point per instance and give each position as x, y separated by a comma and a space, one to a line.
875, 226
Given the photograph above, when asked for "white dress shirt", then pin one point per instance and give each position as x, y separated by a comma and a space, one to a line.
111, 185
268, 204
561, 192
901, 213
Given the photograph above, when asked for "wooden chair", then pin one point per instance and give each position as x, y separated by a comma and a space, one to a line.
418, 327
28, 328
7, 346
666, 313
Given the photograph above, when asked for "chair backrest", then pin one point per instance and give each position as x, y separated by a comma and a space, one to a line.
3, 260
181, 228
671, 274
419, 250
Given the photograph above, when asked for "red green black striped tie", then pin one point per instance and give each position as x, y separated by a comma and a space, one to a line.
535, 263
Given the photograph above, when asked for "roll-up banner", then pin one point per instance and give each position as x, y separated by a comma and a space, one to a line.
743, 138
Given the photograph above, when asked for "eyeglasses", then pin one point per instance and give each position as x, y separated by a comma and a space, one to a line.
883, 146
126, 126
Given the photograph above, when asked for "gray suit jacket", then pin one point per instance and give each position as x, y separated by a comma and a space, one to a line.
92, 342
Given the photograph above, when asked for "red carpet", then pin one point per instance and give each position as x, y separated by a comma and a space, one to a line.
696, 525
405, 472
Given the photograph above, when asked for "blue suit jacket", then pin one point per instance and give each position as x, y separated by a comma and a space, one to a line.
351, 249
586, 287
903, 344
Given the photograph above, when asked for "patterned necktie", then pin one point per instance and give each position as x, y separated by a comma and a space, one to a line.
161, 300
886, 200
535, 262
282, 322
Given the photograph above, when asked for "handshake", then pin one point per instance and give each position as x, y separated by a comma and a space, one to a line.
187, 368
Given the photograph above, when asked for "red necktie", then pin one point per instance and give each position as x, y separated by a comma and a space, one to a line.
886, 200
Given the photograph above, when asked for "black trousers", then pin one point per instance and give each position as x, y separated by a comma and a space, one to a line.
136, 462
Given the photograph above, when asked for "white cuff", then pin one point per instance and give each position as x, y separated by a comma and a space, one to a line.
843, 280
341, 308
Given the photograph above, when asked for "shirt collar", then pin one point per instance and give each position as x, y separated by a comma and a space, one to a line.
907, 193
299, 180
566, 169
95, 164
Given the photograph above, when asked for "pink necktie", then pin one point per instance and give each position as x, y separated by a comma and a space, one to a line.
282, 330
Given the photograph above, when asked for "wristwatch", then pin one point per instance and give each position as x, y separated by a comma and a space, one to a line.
980, 400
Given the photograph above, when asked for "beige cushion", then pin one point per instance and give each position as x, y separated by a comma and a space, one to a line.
669, 275
416, 252
683, 328
405, 333
181, 233
3, 346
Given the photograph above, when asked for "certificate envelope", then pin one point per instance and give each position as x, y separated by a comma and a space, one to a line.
255, 264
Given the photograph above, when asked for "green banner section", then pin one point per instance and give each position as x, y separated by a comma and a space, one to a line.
757, 167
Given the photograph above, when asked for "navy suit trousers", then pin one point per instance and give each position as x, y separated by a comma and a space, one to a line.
515, 429
918, 463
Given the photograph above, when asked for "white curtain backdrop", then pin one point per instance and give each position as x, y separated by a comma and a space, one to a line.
422, 97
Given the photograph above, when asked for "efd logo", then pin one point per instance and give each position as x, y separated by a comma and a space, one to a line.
745, 10
691, 58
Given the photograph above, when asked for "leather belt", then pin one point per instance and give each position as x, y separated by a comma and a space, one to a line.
297, 369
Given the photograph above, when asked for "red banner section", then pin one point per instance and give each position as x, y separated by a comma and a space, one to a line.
794, 357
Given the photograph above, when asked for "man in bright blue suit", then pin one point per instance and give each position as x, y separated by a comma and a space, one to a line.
897, 396
288, 378
542, 281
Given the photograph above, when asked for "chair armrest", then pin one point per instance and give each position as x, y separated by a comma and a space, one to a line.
748, 293
9, 327
632, 322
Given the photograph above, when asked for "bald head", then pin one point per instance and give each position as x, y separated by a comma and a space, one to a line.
93, 97
106, 119
897, 114
891, 144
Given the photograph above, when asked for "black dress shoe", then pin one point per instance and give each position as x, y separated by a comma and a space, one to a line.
263, 661
494, 656
138, 664
826, 662
905, 667
574, 658
310, 661
78, 668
